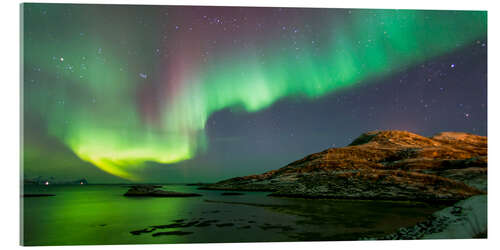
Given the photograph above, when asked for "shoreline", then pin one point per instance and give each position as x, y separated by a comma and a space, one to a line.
466, 219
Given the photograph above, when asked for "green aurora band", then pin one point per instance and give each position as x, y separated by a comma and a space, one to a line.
110, 132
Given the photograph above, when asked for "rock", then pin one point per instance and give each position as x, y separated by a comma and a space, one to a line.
197, 184
268, 226
206, 223
230, 194
177, 225
225, 225
152, 191
37, 195
171, 233
381, 165
142, 231
143, 186
456, 210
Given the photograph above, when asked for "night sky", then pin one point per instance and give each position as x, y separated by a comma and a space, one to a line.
186, 94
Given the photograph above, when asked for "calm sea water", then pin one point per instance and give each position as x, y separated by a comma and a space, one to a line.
100, 214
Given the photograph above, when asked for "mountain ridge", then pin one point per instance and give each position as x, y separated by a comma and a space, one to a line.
390, 165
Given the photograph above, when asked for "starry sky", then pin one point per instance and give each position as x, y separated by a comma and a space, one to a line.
122, 93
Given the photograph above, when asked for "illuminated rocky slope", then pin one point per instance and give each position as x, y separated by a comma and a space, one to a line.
389, 165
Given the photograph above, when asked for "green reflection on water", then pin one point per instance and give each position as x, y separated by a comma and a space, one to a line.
100, 214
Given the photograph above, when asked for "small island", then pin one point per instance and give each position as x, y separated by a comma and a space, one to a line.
153, 191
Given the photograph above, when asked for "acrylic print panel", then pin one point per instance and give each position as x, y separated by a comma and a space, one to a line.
177, 124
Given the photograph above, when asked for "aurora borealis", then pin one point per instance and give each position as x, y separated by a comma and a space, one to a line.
141, 91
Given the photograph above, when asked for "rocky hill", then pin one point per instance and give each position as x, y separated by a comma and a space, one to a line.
390, 165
